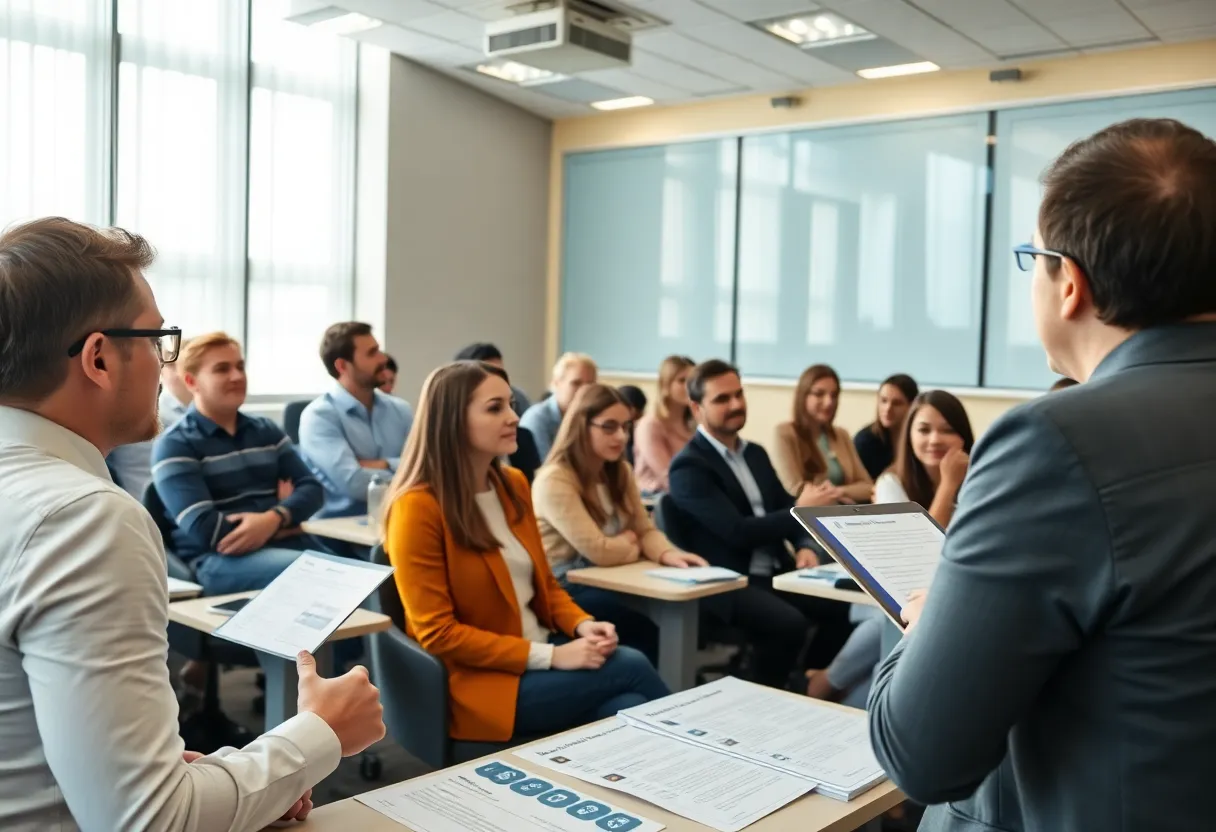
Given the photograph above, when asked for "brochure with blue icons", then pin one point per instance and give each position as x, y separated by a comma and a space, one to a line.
498, 796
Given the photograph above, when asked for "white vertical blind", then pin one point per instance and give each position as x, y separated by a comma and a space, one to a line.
301, 197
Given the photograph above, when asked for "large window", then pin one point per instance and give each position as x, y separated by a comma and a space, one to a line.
234, 157
859, 246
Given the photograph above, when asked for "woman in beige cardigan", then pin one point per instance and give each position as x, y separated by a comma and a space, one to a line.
590, 511
811, 449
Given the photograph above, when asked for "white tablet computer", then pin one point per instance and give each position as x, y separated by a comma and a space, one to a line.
890, 549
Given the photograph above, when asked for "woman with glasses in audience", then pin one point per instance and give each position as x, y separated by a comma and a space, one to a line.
590, 510
664, 433
523, 659
876, 442
930, 463
812, 449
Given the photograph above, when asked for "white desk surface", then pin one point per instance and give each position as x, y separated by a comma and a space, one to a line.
355, 530
812, 813
196, 615
790, 582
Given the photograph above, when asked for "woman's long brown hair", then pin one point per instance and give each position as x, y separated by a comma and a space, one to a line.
910, 470
905, 384
572, 449
437, 455
671, 367
810, 459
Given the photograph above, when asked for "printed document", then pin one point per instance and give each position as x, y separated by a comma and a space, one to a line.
900, 551
694, 574
827, 745
498, 797
722, 792
304, 605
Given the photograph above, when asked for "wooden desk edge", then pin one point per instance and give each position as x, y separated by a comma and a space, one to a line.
790, 582
677, 592
193, 613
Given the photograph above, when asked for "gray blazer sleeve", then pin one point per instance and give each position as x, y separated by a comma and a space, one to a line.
1025, 574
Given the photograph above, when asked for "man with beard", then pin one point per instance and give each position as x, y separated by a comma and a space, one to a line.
356, 429
232, 484
733, 511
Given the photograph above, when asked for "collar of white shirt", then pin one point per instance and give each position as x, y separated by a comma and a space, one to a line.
719, 447
21, 427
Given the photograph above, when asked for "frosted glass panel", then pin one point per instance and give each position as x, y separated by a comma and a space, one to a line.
862, 247
648, 253
1028, 140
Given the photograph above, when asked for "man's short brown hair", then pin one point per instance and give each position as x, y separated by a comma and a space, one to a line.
704, 373
190, 359
61, 281
1134, 206
339, 342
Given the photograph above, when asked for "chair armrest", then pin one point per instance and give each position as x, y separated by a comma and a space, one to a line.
414, 690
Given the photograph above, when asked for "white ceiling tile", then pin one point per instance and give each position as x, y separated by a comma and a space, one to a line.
1102, 27
1047, 10
1192, 33
631, 83
678, 73
453, 26
712, 60
916, 31
405, 41
748, 10
455, 55
682, 12
1011, 40
395, 11
965, 14
1172, 17
770, 52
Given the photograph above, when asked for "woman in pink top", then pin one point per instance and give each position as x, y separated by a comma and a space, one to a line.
661, 435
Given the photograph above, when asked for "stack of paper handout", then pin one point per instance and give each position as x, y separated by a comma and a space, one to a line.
724, 755
694, 574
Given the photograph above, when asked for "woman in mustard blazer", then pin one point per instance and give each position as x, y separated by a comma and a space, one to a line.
522, 658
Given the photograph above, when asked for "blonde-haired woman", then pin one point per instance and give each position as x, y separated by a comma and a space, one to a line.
663, 434
522, 657
810, 448
591, 514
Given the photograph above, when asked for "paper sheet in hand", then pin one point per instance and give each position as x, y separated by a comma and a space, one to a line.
891, 550
304, 605
715, 790
825, 744
694, 574
499, 797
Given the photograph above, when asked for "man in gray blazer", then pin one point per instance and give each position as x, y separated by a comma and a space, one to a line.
1061, 673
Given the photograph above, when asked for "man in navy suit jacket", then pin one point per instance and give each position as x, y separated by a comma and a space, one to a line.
736, 514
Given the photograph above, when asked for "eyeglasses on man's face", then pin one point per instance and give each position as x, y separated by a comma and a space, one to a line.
166, 342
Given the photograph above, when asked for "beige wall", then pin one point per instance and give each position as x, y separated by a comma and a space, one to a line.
1162, 67
466, 207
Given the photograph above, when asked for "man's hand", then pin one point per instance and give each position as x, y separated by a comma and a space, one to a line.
823, 494
912, 610
286, 489
191, 756
349, 704
375, 464
681, 559
806, 558
599, 634
252, 532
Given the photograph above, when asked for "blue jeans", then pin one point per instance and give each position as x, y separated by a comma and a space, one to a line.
557, 700
632, 627
225, 574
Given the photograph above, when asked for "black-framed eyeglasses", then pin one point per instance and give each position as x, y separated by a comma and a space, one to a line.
1027, 252
613, 427
168, 342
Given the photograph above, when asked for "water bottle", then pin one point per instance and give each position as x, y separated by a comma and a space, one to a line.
376, 489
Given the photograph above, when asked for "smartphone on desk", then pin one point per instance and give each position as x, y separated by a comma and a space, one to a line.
229, 607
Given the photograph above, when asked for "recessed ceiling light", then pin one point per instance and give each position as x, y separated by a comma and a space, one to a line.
899, 69
516, 73
623, 103
347, 24
815, 29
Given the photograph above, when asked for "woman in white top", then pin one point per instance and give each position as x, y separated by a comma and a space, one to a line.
930, 465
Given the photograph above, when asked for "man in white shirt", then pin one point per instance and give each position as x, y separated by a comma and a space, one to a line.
88, 719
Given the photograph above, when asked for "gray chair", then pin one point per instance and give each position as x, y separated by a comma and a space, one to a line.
291, 420
414, 689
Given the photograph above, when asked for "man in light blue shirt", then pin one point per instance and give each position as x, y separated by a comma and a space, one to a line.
354, 431
572, 371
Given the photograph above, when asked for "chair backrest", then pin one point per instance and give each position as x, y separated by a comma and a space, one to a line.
413, 683
291, 420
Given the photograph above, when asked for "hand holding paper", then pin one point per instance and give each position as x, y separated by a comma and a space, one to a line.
349, 704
